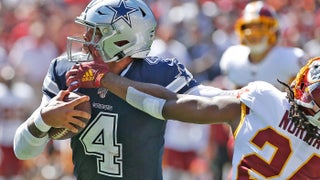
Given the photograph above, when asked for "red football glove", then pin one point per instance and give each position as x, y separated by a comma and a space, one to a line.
86, 75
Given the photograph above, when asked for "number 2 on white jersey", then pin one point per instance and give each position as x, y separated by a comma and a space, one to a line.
274, 167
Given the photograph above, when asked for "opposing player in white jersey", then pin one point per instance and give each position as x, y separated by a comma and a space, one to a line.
258, 56
277, 136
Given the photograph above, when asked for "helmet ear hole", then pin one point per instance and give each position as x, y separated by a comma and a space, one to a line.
121, 43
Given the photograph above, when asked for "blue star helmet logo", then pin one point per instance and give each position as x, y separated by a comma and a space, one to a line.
122, 11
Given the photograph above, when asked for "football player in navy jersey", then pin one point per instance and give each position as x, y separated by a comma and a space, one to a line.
119, 140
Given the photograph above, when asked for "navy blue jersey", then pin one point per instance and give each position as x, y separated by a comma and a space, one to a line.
121, 141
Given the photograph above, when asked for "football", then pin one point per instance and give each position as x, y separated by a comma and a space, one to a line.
63, 133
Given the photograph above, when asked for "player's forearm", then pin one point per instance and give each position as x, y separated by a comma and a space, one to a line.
164, 104
31, 137
190, 109
26, 146
119, 85
202, 110
36, 126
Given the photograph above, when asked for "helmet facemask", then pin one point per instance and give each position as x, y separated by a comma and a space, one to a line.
77, 47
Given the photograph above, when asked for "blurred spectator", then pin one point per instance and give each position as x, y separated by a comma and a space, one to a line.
312, 45
184, 157
31, 55
205, 66
33, 52
166, 45
183, 142
15, 98
29, 34
220, 151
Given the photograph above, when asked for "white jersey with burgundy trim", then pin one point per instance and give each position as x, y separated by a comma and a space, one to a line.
281, 63
267, 144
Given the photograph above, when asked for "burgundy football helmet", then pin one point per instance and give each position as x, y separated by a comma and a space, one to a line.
257, 27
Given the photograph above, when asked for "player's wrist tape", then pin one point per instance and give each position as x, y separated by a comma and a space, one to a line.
40, 124
145, 102
97, 82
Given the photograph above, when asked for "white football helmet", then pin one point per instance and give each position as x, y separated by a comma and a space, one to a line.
127, 28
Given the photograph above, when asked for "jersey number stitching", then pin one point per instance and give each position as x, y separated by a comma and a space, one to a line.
278, 161
100, 139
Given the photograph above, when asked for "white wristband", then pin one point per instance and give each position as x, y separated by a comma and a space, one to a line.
40, 124
145, 102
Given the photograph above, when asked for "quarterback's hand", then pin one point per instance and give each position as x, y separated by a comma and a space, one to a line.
60, 114
86, 75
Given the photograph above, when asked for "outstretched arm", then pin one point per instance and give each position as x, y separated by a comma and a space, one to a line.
182, 107
155, 99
